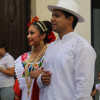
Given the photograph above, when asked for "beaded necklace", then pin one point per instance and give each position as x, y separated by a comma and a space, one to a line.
29, 81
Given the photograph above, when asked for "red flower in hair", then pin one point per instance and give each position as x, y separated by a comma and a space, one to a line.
36, 18
51, 37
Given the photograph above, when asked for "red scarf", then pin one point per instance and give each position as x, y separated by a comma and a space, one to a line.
35, 91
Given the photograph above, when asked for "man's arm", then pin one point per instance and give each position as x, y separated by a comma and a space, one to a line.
84, 73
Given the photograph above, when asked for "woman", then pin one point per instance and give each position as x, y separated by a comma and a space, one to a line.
29, 65
6, 73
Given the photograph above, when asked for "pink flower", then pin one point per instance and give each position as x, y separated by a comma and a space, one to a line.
24, 56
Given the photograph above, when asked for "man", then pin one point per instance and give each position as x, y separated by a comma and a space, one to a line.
69, 61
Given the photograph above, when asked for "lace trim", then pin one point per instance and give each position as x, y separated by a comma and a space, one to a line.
19, 71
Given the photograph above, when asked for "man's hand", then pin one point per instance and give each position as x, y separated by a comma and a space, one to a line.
46, 76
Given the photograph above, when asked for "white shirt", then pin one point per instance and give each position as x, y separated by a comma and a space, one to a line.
6, 61
71, 60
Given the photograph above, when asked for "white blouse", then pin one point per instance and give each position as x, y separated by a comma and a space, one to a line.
71, 60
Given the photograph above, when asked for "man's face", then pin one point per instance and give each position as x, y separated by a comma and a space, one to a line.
59, 22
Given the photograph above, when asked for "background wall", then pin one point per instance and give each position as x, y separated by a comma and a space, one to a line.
39, 8
84, 29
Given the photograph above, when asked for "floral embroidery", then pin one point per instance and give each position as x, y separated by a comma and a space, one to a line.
24, 56
38, 65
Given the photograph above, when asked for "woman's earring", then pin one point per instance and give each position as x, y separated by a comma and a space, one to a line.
42, 43
32, 48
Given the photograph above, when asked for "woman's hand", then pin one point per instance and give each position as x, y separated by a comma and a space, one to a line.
94, 92
36, 73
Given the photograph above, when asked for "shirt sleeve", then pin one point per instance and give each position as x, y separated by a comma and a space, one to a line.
10, 61
84, 73
39, 82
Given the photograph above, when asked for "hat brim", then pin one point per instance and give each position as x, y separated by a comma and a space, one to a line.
80, 18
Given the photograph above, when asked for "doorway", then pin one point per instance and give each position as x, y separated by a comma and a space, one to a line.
14, 16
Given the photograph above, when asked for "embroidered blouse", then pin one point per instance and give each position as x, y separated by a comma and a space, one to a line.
20, 73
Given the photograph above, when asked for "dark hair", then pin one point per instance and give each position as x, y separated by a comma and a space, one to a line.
48, 26
67, 15
3, 45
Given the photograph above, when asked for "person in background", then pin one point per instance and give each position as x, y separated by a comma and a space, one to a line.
6, 73
29, 65
69, 61
97, 88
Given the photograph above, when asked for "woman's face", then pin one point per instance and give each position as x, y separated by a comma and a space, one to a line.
34, 36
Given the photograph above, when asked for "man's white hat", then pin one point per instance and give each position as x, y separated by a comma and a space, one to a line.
69, 6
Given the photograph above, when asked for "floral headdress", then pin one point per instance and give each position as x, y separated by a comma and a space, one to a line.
51, 37
39, 23
34, 19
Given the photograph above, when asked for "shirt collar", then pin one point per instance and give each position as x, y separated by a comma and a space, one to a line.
68, 35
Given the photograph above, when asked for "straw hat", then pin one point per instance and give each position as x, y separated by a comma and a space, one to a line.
69, 6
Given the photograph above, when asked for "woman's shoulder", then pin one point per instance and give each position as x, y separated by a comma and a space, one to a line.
24, 55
